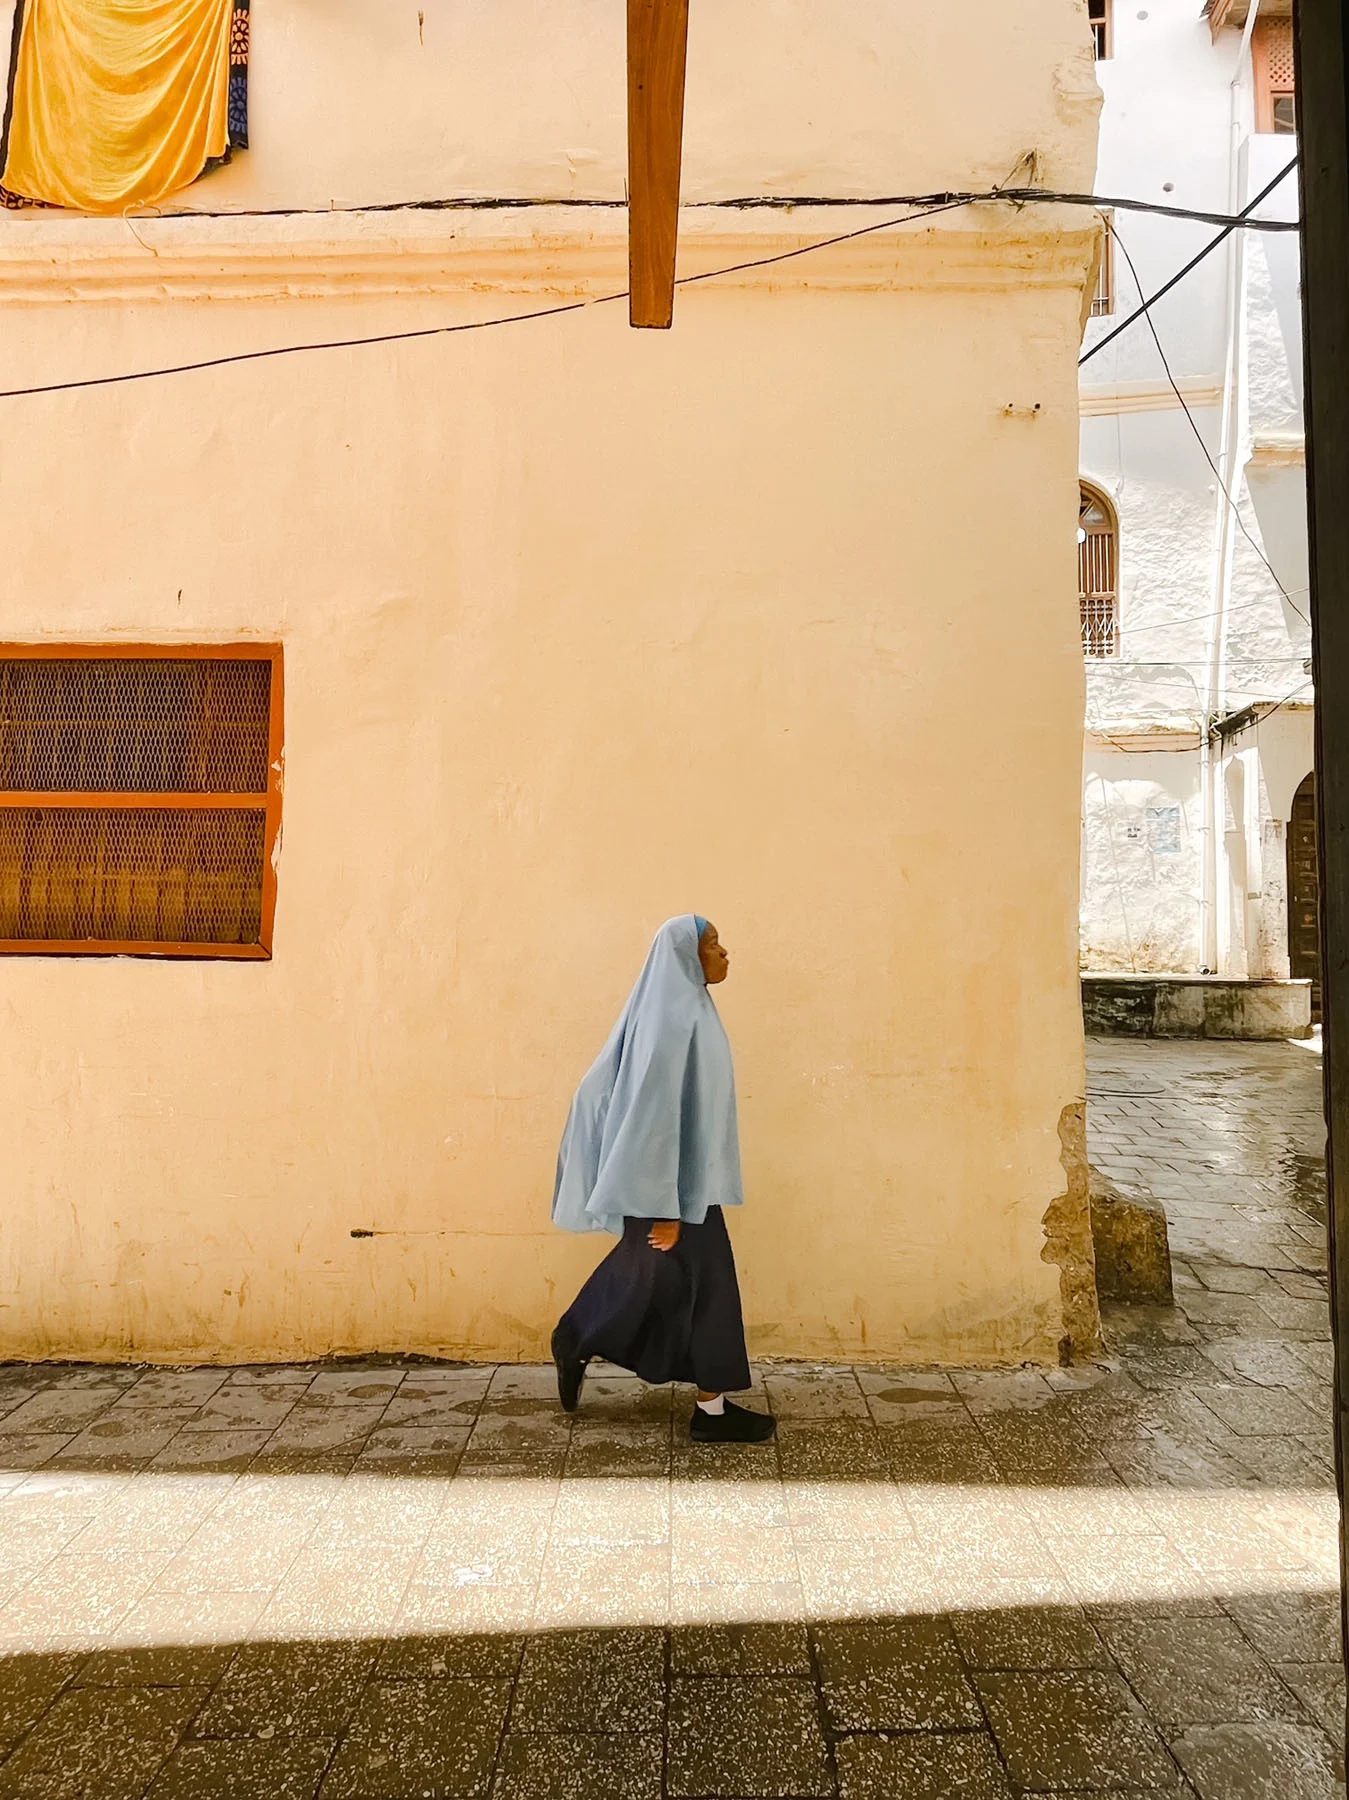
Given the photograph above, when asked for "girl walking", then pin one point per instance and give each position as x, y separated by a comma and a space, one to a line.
651, 1153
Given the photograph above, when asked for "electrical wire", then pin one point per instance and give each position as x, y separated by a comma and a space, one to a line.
430, 331
1203, 618
1260, 712
1141, 662
243, 356
926, 206
1269, 711
1123, 749
1199, 439
1145, 310
929, 206
744, 203
1190, 690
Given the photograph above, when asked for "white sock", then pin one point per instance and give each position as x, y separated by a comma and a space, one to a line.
715, 1407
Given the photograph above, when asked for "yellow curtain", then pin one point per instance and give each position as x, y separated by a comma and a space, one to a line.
117, 103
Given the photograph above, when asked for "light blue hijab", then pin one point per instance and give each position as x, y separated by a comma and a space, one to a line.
652, 1131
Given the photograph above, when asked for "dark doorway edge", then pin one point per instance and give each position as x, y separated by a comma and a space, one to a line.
1323, 108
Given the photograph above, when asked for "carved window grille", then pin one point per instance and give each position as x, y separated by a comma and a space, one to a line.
1275, 85
1099, 12
140, 799
1097, 574
1103, 301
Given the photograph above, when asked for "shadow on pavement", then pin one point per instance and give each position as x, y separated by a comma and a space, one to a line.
1214, 1700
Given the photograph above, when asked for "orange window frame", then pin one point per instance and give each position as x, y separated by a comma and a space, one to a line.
1103, 29
1098, 555
1272, 67
116, 799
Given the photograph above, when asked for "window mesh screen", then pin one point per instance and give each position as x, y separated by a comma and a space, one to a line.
181, 859
131, 875
1096, 578
1275, 78
1277, 47
125, 726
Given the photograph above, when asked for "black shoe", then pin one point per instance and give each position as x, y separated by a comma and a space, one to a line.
737, 1425
571, 1372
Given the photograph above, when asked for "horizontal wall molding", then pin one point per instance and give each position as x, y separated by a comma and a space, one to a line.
557, 251
1150, 396
1137, 735
1279, 450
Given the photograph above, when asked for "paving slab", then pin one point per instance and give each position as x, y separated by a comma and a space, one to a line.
491, 1656
894, 1675
1197, 1672
436, 1739
288, 1769
28, 1686
592, 1681
108, 1742
287, 1690
746, 1740
933, 1766
1258, 1762
1321, 1689
1074, 1729
573, 1767
740, 1649
1048, 1638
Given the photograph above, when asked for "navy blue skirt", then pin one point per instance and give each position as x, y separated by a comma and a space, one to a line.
668, 1315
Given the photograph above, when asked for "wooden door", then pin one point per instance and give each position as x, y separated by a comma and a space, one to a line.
1304, 899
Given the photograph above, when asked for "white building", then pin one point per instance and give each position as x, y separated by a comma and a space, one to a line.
1198, 799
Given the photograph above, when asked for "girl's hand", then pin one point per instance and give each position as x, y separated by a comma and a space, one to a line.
664, 1234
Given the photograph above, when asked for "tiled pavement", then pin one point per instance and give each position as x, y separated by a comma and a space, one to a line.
384, 1582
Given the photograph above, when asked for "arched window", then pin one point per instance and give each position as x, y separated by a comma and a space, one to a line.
1097, 578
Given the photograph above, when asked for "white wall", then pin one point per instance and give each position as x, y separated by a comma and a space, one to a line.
1165, 122
1142, 852
1167, 136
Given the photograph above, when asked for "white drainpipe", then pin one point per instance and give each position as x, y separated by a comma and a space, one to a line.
1211, 791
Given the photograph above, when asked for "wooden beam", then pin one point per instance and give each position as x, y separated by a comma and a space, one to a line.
1323, 124
658, 37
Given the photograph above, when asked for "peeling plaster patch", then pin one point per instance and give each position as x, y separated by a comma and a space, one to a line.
1067, 1227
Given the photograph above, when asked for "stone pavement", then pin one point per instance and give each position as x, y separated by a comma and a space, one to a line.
386, 1581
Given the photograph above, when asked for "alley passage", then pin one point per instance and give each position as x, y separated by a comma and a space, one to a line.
384, 1581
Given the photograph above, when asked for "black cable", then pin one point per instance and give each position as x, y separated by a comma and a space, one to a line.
1191, 688
1211, 731
746, 203
1203, 618
1259, 717
1199, 439
843, 237
1016, 197
928, 206
427, 331
243, 356
1145, 310
1211, 727
1143, 662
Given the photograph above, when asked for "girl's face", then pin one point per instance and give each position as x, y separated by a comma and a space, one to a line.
716, 963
